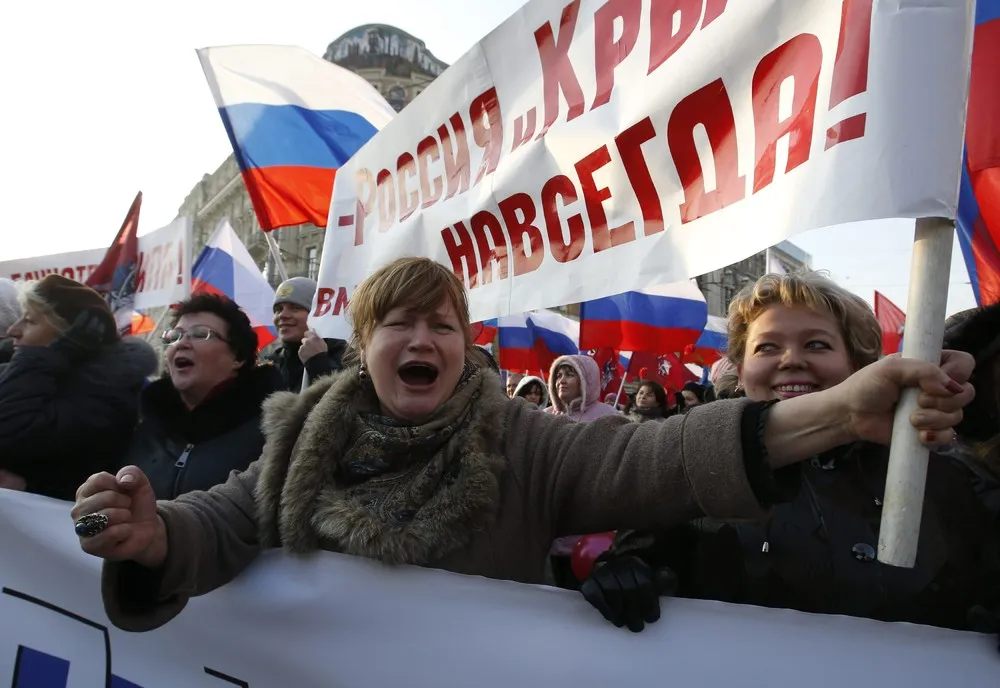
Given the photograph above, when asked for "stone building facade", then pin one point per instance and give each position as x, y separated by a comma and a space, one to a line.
400, 66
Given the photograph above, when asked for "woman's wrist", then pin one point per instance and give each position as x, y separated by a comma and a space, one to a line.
804, 426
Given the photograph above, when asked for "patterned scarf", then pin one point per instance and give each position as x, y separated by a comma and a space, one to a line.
384, 445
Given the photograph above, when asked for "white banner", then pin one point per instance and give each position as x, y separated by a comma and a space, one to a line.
75, 265
590, 148
334, 620
164, 271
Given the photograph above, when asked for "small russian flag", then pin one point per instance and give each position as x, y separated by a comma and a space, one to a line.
225, 267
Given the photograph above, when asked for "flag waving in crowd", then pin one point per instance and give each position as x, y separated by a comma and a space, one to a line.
979, 197
115, 277
293, 119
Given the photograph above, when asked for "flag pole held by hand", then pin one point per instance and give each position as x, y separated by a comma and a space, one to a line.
930, 271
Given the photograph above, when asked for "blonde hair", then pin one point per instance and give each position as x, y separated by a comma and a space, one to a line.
30, 300
814, 290
416, 284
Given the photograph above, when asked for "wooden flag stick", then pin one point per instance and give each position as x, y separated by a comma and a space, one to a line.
930, 271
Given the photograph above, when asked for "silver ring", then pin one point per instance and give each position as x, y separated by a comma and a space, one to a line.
91, 525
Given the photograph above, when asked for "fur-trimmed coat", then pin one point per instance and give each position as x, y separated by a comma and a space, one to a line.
526, 477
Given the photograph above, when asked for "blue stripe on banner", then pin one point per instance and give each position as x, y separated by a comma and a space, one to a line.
34, 669
655, 311
119, 682
987, 10
289, 135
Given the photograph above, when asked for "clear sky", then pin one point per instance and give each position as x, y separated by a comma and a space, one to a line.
105, 99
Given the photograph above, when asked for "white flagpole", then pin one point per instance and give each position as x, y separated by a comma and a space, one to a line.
930, 271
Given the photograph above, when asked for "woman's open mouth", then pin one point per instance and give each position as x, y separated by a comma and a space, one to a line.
418, 374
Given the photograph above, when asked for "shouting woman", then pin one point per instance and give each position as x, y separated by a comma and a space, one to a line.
414, 455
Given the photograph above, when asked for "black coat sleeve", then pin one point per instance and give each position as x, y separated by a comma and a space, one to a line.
44, 412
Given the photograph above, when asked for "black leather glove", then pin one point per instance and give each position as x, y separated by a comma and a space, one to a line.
626, 591
84, 336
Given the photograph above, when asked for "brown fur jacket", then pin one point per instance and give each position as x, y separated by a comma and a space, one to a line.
525, 478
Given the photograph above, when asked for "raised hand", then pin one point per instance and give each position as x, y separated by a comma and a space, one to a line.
115, 517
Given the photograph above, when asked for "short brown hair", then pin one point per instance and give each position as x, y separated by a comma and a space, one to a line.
416, 284
858, 325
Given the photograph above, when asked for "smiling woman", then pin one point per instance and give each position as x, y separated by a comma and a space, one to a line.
794, 338
415, 455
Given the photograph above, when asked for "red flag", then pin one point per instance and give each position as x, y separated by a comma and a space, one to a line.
114, 278
891, 319
611, 370
665, 369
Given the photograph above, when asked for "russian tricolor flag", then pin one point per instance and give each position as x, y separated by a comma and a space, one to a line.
713, 342
293, 119
664, 318
979, 194
225, 267
533, 341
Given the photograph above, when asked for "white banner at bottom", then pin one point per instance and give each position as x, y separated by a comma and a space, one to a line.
342, 621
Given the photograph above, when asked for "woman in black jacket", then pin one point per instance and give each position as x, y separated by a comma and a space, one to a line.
202, 419
793, 335
69, 395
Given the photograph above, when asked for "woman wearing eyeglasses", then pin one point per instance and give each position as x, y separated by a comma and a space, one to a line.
68, 396
202, 419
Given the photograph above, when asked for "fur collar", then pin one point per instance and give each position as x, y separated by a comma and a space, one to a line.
303, 505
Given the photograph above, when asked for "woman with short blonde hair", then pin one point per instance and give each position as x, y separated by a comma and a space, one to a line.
792, 338
415, 455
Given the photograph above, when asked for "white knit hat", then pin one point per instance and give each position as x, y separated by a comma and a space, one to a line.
10, 307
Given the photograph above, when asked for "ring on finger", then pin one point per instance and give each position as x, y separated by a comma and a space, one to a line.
91, 525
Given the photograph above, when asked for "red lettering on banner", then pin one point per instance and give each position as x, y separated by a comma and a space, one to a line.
492, 249
456, 157
713, 10
364, 184
518, 213
68, 273
462, 253
386, 200
663, 42
487, 130
608, 52
406, 167
428, 150
593, 199
16, 276
558, 76
850, 68
563, 250
524, 129
710, 107
326, 304
800, 60
629, 144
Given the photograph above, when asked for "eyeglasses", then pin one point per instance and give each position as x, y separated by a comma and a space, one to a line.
198, 333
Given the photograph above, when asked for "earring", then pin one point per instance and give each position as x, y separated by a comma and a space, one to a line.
362, 372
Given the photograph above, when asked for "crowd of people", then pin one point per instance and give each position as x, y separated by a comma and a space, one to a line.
408, 445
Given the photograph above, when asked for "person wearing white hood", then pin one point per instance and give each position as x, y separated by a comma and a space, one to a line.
533, 390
